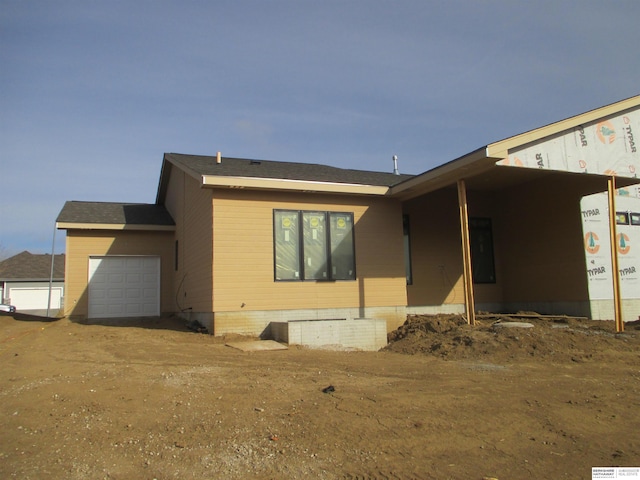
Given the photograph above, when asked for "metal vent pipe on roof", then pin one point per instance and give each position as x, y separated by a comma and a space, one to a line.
219, 158
395, 165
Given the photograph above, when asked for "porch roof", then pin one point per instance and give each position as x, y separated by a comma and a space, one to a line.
480, 168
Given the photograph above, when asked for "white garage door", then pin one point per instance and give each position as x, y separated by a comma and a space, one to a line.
124, 287
35, 298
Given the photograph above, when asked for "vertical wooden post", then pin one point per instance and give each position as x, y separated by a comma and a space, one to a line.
615, 274
469, 301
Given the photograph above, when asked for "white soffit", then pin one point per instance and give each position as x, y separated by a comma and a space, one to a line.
256, 183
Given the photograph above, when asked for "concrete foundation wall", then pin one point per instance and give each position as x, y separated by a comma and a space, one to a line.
451, 308
259, 322
578, 309
361, 334
603, 310
203, 318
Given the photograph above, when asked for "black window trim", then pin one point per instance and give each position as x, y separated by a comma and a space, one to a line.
477, 274
406, 235
327, 216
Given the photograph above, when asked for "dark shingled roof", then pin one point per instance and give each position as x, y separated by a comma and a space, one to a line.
240, 167
115, 213
27, 266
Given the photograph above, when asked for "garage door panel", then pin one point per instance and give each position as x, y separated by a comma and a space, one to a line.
149, 293
35, 298
134, 262
115, 278
149, 278
124, 287
99, 294
134, 293
115, 293
114, 310
117, 263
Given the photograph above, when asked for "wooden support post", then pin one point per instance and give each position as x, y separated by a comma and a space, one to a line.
469, 301
615, 274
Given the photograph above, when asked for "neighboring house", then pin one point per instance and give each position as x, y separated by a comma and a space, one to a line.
239, 244
25, 280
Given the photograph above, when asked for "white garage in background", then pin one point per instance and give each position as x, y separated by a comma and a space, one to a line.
36, 298
25, 280
124, 286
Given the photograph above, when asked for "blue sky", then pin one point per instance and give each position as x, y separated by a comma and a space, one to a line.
92, 93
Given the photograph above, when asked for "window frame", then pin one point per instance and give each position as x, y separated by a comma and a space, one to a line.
483, 271
327, 240
406, 239
176, 257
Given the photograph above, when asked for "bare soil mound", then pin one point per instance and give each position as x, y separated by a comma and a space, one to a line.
155, 400
504, 338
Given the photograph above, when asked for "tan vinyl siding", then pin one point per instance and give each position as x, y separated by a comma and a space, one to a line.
436, 254
489, 205
82, 244
244, 255
541, 239
537, 240
190, 207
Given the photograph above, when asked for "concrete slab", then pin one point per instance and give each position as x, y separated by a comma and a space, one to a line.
257, 346
512, 325
368, 334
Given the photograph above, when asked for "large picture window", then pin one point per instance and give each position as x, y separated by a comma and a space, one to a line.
313, 245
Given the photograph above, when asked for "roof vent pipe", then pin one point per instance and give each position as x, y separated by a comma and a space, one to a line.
395, 165
219, 158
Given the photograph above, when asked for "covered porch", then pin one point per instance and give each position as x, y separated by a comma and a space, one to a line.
501, 229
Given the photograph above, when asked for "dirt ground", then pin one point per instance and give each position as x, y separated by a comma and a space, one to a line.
444, 400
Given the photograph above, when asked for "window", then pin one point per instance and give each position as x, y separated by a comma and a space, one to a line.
175, 257
407, 249
622, 218
481, 239
313, 245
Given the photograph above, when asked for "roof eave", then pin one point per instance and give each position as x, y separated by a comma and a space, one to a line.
257, 183
113, 226
500, 149
39, 279
444, 175
165, 173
